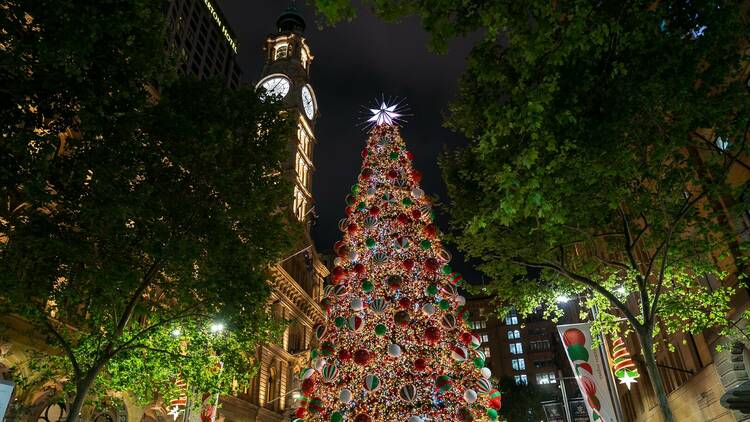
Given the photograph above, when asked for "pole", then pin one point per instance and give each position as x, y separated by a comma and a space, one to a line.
564, 395
611, 386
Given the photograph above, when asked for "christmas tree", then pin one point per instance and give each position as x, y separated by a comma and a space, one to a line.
395, 346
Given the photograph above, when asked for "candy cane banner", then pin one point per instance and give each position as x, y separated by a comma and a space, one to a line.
590, 374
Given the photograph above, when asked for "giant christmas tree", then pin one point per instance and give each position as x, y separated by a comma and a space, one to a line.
395, 346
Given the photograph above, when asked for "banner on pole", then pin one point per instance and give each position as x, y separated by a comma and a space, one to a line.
589, 371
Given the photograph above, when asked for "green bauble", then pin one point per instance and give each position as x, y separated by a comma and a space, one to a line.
431, 290
367, 286
447, 269
444, 304
355, 188
370, 242
578, 352
361, 206
425, 244
432, 215
380, 329
393, 156
407, 202
336, 417
479, 363
340, 322
492, 413
314, 353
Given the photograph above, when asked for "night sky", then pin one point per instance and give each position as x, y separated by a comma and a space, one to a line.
354, 63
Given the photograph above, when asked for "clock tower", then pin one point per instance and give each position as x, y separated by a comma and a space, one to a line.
286, 74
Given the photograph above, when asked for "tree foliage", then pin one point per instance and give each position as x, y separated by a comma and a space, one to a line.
521, 402
607, 152
136, 203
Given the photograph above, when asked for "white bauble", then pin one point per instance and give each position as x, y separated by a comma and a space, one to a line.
428, 309
320, 363
345, 396
415, 419
353, 256
357, 304
486, 372
470, 396
460, 300
394, 350
417, 193
338, 261
371, 190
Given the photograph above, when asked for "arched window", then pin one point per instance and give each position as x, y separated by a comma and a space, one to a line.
53, 412
271, 392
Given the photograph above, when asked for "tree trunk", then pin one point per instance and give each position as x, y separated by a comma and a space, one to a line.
82, 390
647, 346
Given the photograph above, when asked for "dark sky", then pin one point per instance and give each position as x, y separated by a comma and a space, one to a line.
354, 63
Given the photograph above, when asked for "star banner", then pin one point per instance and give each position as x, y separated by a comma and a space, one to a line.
589, 371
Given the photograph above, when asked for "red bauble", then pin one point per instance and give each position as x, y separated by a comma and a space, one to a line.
359, 268
362, 417
420, 364
301, 412
409, 155
432, 334
416, 176
345, 355
375, 211
349, 211
364, 153
416, 214
352, 228
338, 245
404, 302
574, 336
401, 318
308, 386
431, 264
408, 264
430, 230
366, 173
466, 338
402, 218
338, 273
495, 403
392, 174
361, 357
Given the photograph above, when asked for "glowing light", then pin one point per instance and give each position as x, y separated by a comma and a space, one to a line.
385, 115
562, 299
217, 327
176, 332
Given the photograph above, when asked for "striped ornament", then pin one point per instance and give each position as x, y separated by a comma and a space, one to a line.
408, 393
378, 258
448, 321
306, 373
355, 323
443, 383
459, 354
370, 222
378, 306
181, 400
484, 386
340, 290
330, 373
321, 331
475, 342
372, 382
449, 290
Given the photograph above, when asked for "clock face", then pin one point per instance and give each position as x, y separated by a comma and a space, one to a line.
277, 86
308, 102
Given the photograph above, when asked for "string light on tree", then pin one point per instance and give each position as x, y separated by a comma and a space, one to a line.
394, 346
623, 365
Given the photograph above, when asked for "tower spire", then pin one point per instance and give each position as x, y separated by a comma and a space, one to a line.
290, 20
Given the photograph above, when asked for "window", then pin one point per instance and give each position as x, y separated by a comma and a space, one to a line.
512, 318
56, 412
300, 204
484, 338
518, 364
516, 348
543, 363
302, 170
540, 346
521, 379
486, 351
514, 334
722, 144
305, 143
546, 378
281, 51
478, 325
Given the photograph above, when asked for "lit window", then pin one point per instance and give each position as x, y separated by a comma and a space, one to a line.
518, 364
302, 170
303, 57
521, 379
722, 144
300, 203
484, 338
281, 51
546, 378
516, 348
514, 334
540, 346
305, 143
511, 319
478, 325
486, 351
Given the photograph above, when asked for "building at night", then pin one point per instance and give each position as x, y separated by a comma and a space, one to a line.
202, 41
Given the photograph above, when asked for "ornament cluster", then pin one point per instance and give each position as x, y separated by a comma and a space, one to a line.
395, 346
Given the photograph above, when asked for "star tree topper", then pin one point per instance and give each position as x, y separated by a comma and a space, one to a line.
386, 112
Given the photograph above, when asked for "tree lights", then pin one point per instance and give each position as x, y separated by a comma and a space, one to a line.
394, 346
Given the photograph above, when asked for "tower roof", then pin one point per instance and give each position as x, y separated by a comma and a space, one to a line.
290, 20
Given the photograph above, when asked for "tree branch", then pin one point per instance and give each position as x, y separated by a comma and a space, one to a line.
65, 345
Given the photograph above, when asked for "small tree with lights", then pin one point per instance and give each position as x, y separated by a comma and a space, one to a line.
394, 346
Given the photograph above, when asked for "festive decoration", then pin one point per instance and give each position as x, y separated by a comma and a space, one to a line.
623, 364
394, 338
